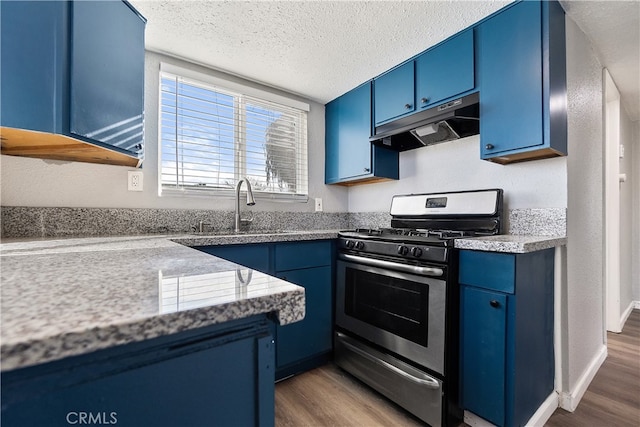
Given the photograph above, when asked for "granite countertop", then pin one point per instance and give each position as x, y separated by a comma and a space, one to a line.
72, 296
511, 243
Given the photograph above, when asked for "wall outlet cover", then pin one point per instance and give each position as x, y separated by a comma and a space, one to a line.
134, 181
318, 204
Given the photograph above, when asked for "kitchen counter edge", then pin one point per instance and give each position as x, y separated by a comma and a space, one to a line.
510, 243
288, 302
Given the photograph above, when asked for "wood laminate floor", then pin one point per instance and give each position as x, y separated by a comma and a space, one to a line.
613, 397
327, 396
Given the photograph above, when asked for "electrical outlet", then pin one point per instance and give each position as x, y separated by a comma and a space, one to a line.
318, 204
134, 183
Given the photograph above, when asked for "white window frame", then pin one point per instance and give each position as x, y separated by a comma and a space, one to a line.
233, 88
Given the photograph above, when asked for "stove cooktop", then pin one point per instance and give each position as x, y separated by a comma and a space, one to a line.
425, 237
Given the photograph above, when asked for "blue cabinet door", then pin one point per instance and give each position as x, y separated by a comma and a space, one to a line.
332, 142
510, 68
349, 156
354, 132
298, 255
394, 93
312, 335
34, 42
483, 349
107, 74
445, 71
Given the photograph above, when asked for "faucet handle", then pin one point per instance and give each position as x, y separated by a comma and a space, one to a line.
202, 225
246, 220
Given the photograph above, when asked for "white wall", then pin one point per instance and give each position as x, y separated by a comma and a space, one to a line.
35, 182
635, 229
627, 135
456, 165
583, 316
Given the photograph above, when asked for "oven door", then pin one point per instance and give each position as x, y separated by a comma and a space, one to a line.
398, 310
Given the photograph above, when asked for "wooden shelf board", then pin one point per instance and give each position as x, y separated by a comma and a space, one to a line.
42, 145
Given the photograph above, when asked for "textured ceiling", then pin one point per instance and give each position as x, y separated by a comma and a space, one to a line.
614, 30
321, 49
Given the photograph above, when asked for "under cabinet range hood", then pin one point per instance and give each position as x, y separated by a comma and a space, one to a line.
452, 120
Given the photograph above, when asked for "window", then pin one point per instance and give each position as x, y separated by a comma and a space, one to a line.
215, 132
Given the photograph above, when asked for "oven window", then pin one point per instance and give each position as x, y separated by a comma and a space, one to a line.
395, 305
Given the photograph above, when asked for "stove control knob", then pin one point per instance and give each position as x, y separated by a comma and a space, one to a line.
349, 244
403, 250
359, 245
416, 252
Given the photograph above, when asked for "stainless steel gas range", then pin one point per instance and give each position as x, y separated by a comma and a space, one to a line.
397, 299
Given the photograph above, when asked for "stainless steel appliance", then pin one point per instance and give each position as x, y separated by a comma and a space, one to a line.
455, 119
397, 299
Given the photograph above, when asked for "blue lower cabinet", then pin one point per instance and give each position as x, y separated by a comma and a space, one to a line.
506, 334
484, 361
310, 338
221, 375
308, 343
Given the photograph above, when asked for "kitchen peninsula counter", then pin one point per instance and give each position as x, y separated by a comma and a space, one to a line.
68, 297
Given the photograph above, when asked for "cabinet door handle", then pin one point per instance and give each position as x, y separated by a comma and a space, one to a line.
407, 106
489, 146
424, 100
367, 170
493, 303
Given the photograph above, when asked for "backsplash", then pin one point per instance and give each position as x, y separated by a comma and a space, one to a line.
539, 222
60, 222
20, 221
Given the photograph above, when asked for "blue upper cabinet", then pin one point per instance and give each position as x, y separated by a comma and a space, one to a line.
349, 156
33, 75
107, 57
445, 71
394, 93
521, 70
73, 72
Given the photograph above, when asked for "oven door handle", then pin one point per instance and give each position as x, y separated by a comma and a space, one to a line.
427, 382
406, 268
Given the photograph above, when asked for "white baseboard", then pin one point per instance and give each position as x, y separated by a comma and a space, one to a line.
569, 400
636, 305
627, 313
475, 421
539, 418
544, 412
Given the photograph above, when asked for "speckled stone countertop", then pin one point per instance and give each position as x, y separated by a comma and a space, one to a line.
511, 243
72, 296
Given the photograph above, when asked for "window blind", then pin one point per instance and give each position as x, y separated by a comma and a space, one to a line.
211, 137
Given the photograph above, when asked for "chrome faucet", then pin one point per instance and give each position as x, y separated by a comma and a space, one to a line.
250, 202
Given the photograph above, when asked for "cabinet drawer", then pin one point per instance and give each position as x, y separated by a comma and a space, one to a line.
292, 256
488, 270
251, 256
